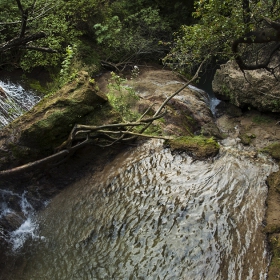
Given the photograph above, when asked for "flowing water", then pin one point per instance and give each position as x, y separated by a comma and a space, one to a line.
14, 101
154, 215
25, 216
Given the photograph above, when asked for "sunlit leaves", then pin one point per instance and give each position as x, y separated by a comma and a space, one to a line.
219, 23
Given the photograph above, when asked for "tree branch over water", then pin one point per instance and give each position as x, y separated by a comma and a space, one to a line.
102, 136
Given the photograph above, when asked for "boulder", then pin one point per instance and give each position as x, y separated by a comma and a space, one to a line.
187, 112
39, 131
257, 89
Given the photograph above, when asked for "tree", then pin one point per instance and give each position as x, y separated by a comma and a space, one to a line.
245, 30
36, 32
16, 25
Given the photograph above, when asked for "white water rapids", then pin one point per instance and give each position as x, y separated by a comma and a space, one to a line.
14, 101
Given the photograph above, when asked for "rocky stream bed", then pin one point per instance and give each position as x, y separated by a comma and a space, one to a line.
38, 132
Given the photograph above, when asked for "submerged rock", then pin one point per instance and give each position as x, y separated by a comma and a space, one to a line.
254, 89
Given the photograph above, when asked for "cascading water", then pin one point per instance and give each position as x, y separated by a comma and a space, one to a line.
14, 101
21, 216
212, 100
154, 215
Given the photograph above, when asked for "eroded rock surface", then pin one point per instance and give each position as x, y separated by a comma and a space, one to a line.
254, 89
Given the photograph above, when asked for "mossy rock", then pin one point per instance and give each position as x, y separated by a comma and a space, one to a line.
198, 147
48, 124
273, 150
211, 130
246, 138
274, 243
273, 181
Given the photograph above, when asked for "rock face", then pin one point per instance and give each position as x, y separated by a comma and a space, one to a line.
48, 124
187, 112
259, 90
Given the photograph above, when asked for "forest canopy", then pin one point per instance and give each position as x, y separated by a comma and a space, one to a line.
180, 33
37, 32
245, 30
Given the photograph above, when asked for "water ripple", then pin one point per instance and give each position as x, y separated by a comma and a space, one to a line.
158, 216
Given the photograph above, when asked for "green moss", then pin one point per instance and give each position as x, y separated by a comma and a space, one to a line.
273, 150
36, 85
19, 152
246, 138
262, 119
274, 242
273, 181
199, 147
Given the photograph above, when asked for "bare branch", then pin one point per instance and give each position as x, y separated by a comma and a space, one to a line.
258, 37
40, 49
102, 136
18, 42
182, 88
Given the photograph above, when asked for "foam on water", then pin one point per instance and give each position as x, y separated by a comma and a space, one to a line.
25, 231
212, 100
28, 228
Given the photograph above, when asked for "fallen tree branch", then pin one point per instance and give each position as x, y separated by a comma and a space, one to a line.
102, 136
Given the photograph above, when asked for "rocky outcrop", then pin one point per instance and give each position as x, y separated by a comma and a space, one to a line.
187, 112
255, 89
37, 133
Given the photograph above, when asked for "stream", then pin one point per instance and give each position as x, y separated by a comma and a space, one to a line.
154, 215
150, 214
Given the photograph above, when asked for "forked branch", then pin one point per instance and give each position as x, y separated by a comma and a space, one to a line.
103, 136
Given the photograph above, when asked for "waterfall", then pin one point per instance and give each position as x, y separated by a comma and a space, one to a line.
212, 100
18, 214
17, 221
14, 101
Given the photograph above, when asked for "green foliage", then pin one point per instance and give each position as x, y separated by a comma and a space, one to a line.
124, 30
108, 33
122, 97
67, 73
218, 24
64, 22
135, 36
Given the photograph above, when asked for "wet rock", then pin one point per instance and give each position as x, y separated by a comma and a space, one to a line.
3, 93
259, 90
187, 112
273, 150
12, 221
246, 138
229, 109
211, 129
